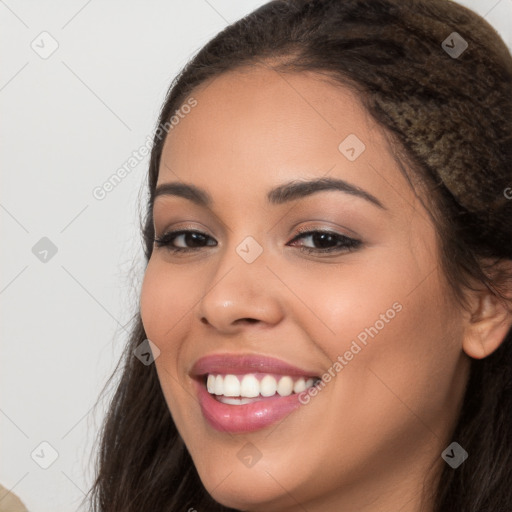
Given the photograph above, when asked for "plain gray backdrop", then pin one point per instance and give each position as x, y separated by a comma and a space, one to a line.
81, 84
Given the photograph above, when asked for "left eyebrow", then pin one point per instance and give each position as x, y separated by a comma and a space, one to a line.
290, 191
298, 189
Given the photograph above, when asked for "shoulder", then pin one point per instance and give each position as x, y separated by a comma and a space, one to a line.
9, 502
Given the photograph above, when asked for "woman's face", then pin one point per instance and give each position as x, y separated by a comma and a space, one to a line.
257, 300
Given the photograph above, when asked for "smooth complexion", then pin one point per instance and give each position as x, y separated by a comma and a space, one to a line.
365, 441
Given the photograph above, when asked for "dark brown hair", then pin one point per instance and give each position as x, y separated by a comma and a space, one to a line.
449, 120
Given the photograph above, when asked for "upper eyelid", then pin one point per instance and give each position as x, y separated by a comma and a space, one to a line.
174, 233
349, 233
299, 231
221, 226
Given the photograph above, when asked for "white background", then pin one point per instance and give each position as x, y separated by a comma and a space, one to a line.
68, 123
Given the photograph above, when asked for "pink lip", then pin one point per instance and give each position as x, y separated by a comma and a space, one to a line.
241, 364
248, 417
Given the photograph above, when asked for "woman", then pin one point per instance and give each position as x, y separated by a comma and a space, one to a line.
328, 292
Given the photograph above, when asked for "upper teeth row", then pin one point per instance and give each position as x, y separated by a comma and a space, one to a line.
249, 386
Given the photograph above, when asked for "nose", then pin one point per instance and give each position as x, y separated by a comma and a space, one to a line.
239, 294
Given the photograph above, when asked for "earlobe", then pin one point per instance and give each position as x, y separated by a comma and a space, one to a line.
487, 327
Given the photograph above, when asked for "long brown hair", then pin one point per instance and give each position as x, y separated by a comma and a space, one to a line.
449, 118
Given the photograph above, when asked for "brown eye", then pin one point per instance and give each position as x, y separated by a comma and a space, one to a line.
322, 241
192, 240
327, 241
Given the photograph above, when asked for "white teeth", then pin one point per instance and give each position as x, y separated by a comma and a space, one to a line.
250, 387
210, 384
231, 386
219, 385
285, 386
237, 388
235, 401
299, 386
268, 386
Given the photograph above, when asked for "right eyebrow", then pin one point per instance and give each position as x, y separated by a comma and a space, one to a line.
195, 194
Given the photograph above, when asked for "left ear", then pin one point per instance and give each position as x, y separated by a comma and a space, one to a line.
488, 325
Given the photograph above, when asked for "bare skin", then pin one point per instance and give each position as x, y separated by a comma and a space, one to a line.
365, 442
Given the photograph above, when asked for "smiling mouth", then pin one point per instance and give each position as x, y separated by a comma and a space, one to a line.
242, 389
248, 392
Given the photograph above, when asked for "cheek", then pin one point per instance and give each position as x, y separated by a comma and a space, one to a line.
165, 298
389, 319
164, 305
349, 302
165, 312
153, 302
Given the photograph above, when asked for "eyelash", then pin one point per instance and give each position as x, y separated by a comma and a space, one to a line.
347, 244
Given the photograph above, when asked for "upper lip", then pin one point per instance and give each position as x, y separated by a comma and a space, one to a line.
246, 363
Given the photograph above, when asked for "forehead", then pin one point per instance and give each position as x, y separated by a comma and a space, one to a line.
258, 127
281, 109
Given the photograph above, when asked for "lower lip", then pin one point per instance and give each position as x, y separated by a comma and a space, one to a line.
247, 417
